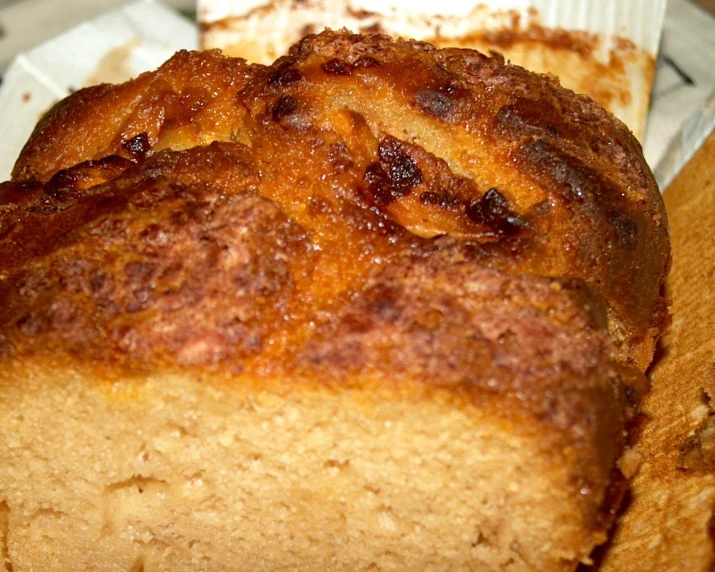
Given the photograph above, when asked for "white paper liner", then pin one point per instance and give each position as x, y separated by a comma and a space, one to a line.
148, 34
640, 21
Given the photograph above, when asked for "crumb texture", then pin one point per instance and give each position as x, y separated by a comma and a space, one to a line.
306, 482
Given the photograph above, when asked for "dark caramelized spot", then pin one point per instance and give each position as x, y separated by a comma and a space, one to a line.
493, 210
66, 186
284, 76
528, 116
138, 145
575, 181
336, 67
434, 102
401, 168
395, 175
366, 62
340, 158
552, 131
63, 185
442, 200
626, 231
286, 105
379, 185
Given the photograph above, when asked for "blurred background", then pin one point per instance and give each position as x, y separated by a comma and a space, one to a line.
26, 23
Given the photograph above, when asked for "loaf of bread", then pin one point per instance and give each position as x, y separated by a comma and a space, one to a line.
376, 306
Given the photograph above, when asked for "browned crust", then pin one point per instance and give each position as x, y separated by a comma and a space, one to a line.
558, 152
431, 217
565, 162
188, 101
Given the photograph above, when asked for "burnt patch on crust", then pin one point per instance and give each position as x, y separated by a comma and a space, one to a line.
575, 182
422, 194
435, 102
379, 185
284, 107
340, 158
493, 211
84, 176
284, 75
590, 195
445, 101
394, 176
402, 169
138, 146
335, 66
62, 187
530, 117
65, 187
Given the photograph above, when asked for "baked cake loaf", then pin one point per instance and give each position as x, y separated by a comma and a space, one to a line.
374, 307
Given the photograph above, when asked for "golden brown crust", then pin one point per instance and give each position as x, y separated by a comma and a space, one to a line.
571, 185
437, 217
189, 101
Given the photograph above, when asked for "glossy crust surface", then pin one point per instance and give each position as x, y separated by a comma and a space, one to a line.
430, 217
